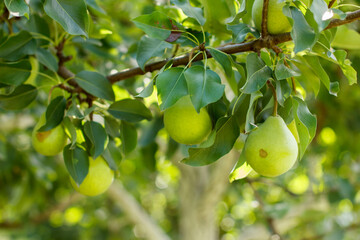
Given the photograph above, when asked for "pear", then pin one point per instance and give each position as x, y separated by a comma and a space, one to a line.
271, 150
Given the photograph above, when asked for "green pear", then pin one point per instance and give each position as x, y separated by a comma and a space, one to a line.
271, 150
277, 22
48, 143
185, 125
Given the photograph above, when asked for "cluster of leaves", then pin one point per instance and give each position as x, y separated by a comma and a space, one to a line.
193, 27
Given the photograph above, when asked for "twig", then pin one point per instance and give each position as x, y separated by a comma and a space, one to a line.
264, 30
269, 219
229, 49
331, 3
292, 78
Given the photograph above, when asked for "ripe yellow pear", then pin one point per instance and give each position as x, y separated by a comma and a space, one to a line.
277, 22
98, 179
271, 150
49, 143
185, 125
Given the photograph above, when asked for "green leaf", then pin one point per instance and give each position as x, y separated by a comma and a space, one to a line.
283, 91
303, 35
147, 91
224, 60
130, 110
150, 131
112, 126
95, 84
98, 137
314, 62
308, 77
227, 131
320, 9
74, 110
128, 136
149, 48
192, 12
20, 98
156, 25
47, 59
112, 155
70, 14
204, 86
346, 67
240, 31
250, 116
17, 6
93, 4
305, 124
257, 73
72, 130
171, 86
241, 169
76, 162
17, 46
346, 38
15, 73
54, 113
283, 72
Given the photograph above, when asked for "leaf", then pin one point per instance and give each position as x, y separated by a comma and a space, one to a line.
128, 136
150, 131
156, 25
54, 113
346, 38
149, 48
303, 35
72, 130
193, 12
20, 98
112, 155
17, 7
76, 162
95, 84
70, 14
74, 110
241, 169
112, 126
223, 59
283, 72
283, 91
93, 4
47, 59
240, 31
147, 91
346, 67
171, 86
319, 9
130, 110
204, 86
15, 73
257, 74
314, 62
98, 137
17, 46
305, 124
227, 131
250, 117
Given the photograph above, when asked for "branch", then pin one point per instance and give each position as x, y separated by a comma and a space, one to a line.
124, 200
331, 3
255, 45
264, 30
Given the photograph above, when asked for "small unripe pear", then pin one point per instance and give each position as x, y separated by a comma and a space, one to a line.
271, 150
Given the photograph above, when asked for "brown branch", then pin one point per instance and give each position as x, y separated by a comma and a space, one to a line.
272, 40
264, 30
269, 219
331, 3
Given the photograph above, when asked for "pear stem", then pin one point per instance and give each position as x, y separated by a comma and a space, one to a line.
271, 86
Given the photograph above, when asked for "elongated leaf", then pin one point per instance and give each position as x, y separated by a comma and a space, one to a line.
257, 73
20, 98
224, 60
72, 130
319, 8
112, 126
250, 118
283, 72
54, 113
15, 73
130, 110
193, 12
70, 14
47, 59
18, 7
204, 86
303, 35
240, 31
241, 169
128, 136
76, 162
156, 25
346, 67
17, 46
95, 84
98, 137
149, 48
171, 86
226, 134
346, 38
